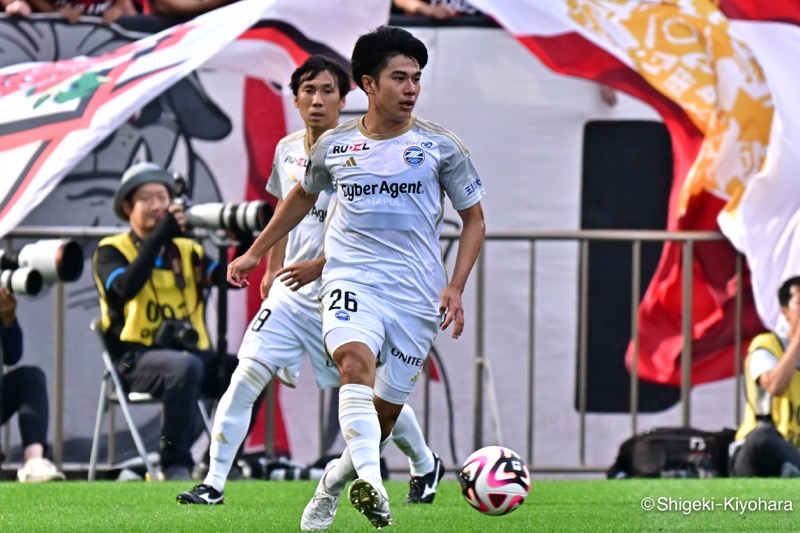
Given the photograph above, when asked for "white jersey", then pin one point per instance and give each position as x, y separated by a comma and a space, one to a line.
305, 240
386, 215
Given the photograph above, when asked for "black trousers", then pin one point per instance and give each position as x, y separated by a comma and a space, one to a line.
178, 379
763, 454
24, 391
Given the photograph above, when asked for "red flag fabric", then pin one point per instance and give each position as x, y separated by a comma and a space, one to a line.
775, 10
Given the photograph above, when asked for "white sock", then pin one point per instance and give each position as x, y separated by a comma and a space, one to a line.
233, 418
338, 476
407, 435
358, 421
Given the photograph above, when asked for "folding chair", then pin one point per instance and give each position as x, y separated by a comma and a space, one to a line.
111, 394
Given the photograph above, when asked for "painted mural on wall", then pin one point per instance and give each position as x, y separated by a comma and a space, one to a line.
164, 131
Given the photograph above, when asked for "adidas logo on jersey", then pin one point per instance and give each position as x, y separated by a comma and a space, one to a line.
350, 163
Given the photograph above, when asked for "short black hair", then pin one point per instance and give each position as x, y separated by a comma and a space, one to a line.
785, 292
375, 49
313, 66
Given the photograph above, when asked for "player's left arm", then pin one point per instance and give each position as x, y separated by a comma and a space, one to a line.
469, 246
301, 273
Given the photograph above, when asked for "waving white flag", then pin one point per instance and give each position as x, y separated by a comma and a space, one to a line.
52, 114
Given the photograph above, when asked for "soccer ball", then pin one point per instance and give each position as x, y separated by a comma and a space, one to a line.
495, 480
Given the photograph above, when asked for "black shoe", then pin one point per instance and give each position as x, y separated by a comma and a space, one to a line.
203, 495
422, 489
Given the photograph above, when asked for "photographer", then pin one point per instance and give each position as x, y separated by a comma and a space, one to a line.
768, 440
24, 391
152, 283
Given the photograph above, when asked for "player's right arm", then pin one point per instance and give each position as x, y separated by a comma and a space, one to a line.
288, 215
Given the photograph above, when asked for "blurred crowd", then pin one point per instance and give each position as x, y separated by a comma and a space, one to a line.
154, 15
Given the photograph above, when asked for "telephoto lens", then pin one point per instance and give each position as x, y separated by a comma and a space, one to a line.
238, 218
21, 281
54, 259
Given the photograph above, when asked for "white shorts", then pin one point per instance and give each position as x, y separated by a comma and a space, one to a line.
282, 333
404, 337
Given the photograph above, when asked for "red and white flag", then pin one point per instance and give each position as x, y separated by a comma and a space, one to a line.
52, 114
726, 92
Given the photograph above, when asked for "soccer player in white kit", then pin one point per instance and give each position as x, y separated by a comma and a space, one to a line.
288, 325
384, 289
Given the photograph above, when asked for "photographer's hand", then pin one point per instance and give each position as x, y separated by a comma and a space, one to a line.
180, 217
8, 308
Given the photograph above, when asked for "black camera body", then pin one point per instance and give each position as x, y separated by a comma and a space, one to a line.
176, 335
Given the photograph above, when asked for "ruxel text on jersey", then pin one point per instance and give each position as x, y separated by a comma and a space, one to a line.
344, 148
296, 160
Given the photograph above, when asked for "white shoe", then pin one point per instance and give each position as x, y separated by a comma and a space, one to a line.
321, 510
369, 499
39, 469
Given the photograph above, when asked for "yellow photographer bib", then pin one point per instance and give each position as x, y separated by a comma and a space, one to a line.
784, 409
160, 298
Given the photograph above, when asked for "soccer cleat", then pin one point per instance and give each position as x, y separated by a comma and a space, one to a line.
38, 470
203, 495
370, 500
422, 489
321, 510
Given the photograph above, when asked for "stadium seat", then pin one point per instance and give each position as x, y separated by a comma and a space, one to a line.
110, 396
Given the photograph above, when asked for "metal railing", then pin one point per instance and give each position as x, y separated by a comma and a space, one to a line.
582, 237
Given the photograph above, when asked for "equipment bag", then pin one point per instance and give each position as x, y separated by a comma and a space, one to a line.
674, 452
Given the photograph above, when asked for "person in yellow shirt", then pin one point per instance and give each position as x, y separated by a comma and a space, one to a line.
767, 441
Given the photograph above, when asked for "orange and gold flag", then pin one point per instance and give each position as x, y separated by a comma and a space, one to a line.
723, 87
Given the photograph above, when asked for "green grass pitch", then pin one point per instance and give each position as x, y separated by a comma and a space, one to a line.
260, 506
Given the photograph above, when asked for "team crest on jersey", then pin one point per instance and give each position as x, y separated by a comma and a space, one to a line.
342, 315
414, 156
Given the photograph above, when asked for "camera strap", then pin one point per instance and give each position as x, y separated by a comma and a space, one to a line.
173, 257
